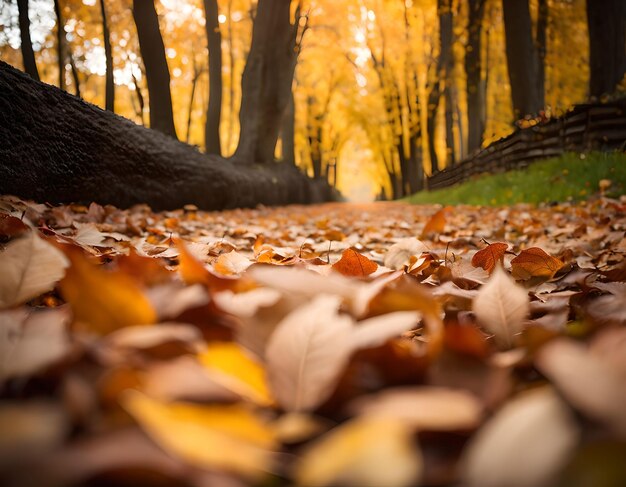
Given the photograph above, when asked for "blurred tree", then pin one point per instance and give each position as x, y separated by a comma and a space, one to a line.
267, 79
607, 45
476, 85
108, 54
157, 72
523, 59
214, 40
28, 55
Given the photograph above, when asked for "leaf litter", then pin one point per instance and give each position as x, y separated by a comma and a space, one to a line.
339, 344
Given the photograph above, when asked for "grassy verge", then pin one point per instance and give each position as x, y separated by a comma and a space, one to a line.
569, 177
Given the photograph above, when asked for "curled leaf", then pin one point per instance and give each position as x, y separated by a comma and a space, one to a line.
354, 264
490, 256
534, 262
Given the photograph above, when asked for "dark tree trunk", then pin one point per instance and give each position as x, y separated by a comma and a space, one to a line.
266, 82
522, 59
606, 20
56, 148
214, 111
287, 132
28, 55
108, 54
60, 44
476, 89
446, 37
157, 73
541, 42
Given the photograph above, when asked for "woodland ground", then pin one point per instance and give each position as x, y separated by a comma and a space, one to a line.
380, 344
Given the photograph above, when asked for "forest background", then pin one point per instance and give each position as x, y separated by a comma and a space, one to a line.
378, 85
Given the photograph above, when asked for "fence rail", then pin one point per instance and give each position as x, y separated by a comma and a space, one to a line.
585, 127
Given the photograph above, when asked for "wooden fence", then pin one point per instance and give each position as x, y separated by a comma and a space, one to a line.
586, 127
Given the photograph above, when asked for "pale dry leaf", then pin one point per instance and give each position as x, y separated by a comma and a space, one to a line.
31, 341
525, 444
88, 234
501, 307
171, 299
246, 305
30, 266
366, 452
589, 381
232, 263
424, 408
376, 331
140, 337
401, 252
307, 352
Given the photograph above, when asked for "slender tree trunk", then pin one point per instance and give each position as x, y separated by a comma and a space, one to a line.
606, 20
476, 93
26, 46
541, 42
108, 54
74, 71
522, 59
446, 35
231, 74
194, 84
60, 33
214, 38
157, 73
266, 81
287, 132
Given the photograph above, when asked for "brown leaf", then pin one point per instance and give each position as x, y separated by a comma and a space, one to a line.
534, 262
491, 255
437, 222
354, 264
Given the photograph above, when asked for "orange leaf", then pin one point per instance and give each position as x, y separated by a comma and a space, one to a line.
437, 222
103, 300
534, 262
488, 257
354, 264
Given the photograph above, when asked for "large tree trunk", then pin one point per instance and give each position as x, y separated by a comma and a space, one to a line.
157, 73
287, 132
606, 20
28, 55
109, 92
56, 148
214, 111
266, 81
522, 59
476, 89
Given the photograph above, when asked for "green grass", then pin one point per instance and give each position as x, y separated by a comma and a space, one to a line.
569, 177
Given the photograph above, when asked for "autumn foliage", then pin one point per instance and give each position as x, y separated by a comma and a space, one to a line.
320, 346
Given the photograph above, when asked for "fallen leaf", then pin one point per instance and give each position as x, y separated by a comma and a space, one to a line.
307, 352
354, 264
525, 444
223, 437
11, 226
534, 262
424, 408
231, 264
501, 307
400, 253
30, 266
366, 452
31, 341
490, 256
229, 365
437, 222
376, 331
103, 300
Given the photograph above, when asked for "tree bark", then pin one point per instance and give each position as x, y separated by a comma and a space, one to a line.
56, 148
109, 91
157, 73
476, 89
522, 59
606, 20
266, 81
287, 132
26, 45
541, 41
60, 33
214, 111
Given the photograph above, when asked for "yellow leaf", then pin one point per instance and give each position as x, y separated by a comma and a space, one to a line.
234, 369
222, 437
103, 300
363, 452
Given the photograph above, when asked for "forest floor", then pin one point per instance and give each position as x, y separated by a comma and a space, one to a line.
381, 344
